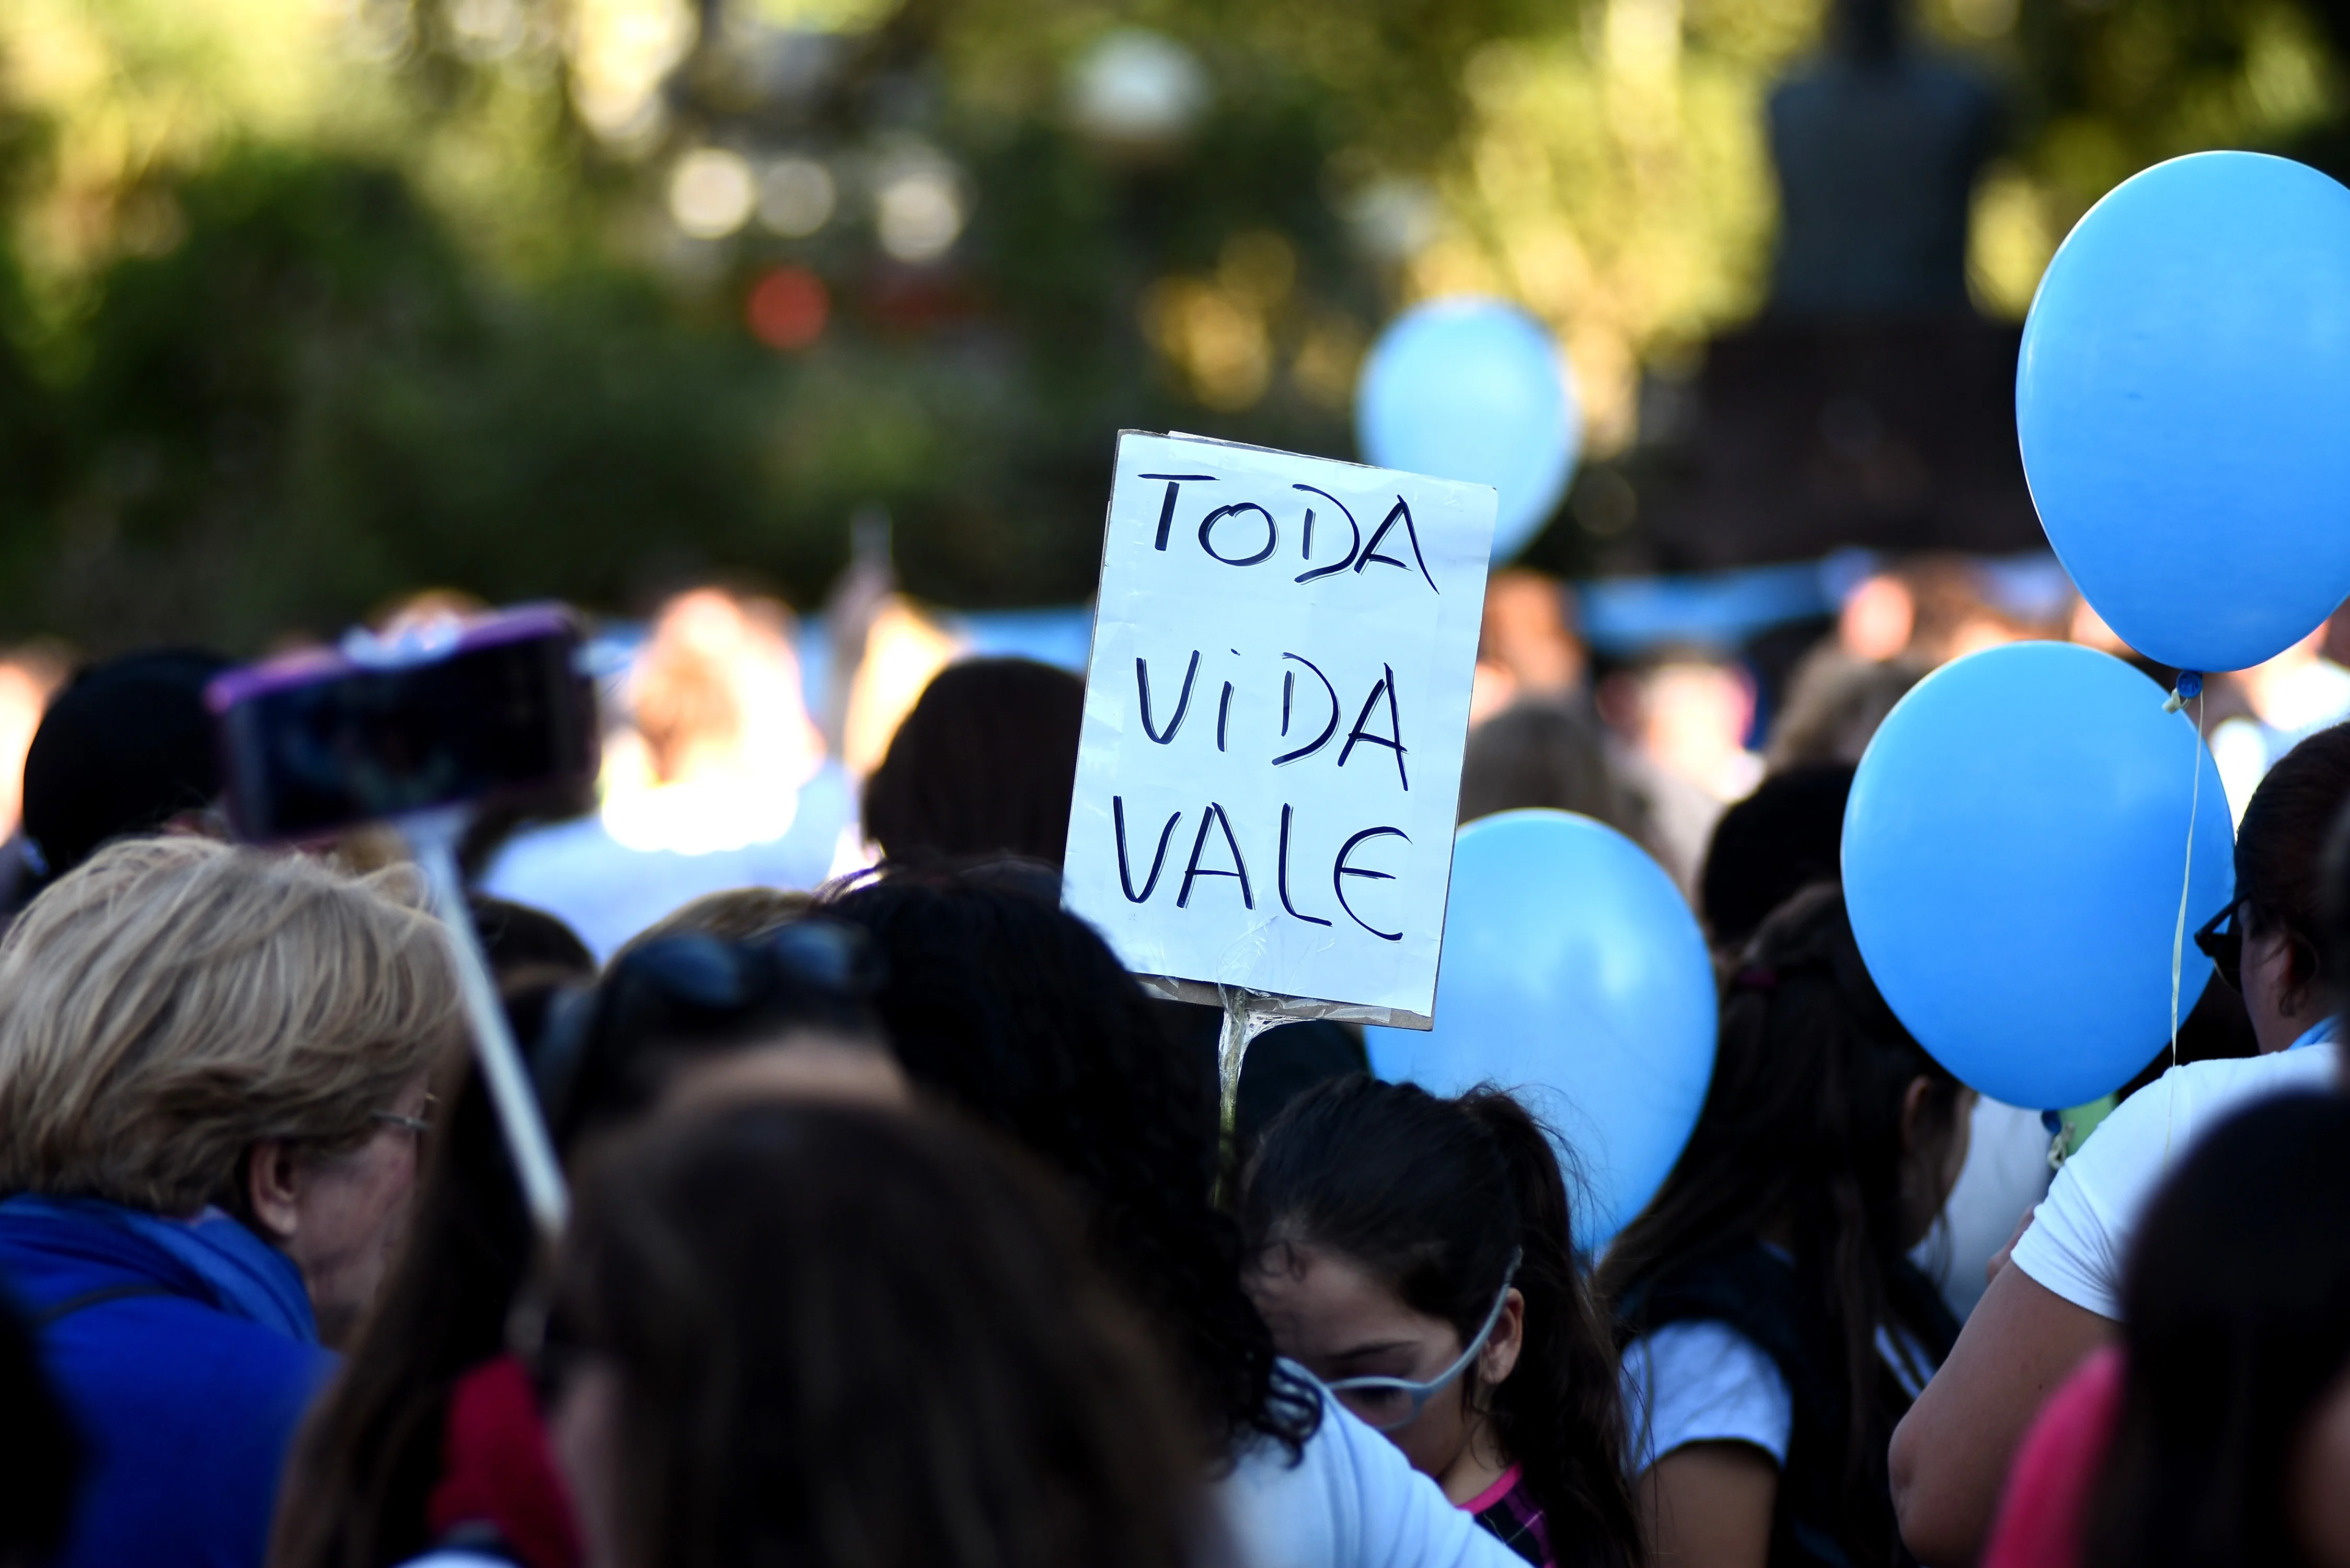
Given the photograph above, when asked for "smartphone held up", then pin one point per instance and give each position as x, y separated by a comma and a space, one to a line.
381, 730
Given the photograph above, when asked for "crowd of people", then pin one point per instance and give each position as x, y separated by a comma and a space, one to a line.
907, 1230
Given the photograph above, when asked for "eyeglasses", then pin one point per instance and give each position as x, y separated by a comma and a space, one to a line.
2224, 949
1387, 1403
419, 1125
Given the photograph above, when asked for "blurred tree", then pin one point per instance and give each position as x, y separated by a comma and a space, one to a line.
304, 304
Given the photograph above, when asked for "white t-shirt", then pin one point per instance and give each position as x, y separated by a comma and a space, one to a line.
1352, 1501
2081, 1231
1698, 1381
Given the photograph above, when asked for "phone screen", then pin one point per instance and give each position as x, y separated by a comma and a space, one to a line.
310, 752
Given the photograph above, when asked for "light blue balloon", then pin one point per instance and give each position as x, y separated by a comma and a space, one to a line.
1573, 972
2183, 404
2013, 851
1473, 388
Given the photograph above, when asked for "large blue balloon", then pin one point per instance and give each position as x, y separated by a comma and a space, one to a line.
2013, 851
1473, 388
1573, 971
2184, 407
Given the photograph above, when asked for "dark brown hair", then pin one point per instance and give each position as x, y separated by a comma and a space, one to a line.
1432, 1198
984, 764
846, 1338
2281, 846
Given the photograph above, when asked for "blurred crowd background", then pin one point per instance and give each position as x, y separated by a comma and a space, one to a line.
789, 338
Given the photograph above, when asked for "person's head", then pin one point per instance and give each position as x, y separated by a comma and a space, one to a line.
1391, 1234
2272, 950
982, 765
1766, 848
716, 690
1826, 1125
999, 1002
1833, 706
1283, 1063
2236, 1326
127, 747
1688, 710
730, 914
526, 946
29, 676
183, 1024
689, 1019
1544, 754
670, 1011
822, 1335
1528, 635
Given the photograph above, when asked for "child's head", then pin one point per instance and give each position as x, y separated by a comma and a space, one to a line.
1426, 1243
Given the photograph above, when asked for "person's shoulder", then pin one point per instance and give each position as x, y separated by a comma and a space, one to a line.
2185, 1099
2223, 1083
177, 1346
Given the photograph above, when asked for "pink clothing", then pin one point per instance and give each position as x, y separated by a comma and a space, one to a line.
2040, 1517
1494, 1493
1508, 1509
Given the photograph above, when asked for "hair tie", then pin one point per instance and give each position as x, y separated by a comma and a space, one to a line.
1756, 977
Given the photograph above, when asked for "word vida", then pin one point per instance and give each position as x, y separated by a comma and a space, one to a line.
1378, 707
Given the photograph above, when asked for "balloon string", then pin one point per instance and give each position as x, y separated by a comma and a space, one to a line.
2186, 882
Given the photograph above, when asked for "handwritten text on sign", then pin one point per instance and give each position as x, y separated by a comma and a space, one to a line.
1274, 715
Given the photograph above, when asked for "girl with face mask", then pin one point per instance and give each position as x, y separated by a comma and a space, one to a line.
1417, 1255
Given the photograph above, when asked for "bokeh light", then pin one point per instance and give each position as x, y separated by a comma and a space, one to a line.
919, 209
711, 192
1135, 86
787, 309
796, 197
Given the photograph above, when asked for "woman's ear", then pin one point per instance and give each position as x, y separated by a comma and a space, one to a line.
1914, 1100
1508, 1340
273, 1182
2300, 975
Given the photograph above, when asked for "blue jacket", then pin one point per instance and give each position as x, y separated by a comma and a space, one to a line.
186, 1352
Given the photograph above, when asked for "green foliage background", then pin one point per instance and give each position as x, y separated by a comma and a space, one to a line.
303, 307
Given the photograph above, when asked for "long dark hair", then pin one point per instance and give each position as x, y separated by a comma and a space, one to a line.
851, 1338
361, 1474
2236, 1314
1802, 1122
1433, 1196
1005, 1005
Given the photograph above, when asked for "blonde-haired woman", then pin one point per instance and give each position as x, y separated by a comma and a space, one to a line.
214, 1069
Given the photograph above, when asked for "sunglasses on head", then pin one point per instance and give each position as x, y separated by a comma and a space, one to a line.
696, 985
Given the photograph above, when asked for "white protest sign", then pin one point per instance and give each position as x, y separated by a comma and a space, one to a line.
1274, 713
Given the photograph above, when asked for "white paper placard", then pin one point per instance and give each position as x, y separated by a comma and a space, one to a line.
1278, 696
